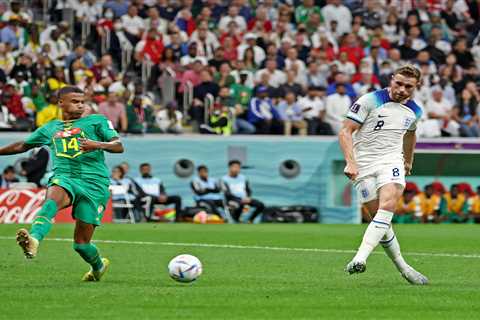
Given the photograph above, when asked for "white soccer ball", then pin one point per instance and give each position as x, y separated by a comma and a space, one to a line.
185, 268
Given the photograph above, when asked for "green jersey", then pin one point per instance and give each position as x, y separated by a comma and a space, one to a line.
62, 139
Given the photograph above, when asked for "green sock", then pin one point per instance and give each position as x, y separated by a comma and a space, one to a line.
43, 221
89, 253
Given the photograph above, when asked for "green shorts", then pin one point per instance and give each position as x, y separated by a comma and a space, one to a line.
89, 197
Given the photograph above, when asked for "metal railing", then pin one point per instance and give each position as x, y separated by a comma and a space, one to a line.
86, 29
147, 65
168, 86
187, 99
105, 42
126, 57
207, 106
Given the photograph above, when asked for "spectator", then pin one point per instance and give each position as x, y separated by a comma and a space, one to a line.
232, 16
57, 80
429, 204
193, 56
115, 111
119, 179
291, 84
119, 7
205, 88
276, 77
465, 113
155, 192
238, 193
345, 66
223, 77
440, 114
313, 110
133, 25
474, 207
103, 71
336, 107
454, 206
150, 48
461, 52
220, 121
169, 119
207, 191
407, 208
262, 114
8, 177
140, 118
155, 21
206, 41
8, 34
49, 112
250, 43
341, 79
35, 166
218, 59
13, 102
336, 11
290, 112
303, 12
7, 61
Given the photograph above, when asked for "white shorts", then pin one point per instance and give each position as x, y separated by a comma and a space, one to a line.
369, 181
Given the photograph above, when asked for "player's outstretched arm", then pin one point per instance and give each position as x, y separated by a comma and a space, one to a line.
409, 141
113, 146
14, 148
346, 143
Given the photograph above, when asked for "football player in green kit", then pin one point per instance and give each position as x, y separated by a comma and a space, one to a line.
80, 179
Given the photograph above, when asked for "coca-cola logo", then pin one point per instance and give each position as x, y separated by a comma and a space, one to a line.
20, 206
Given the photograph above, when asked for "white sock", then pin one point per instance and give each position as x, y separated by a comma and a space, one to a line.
376, 230
392, 248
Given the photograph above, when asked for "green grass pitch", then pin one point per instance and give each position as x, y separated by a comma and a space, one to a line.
243, 283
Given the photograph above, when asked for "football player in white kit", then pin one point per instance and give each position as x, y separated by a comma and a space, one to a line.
378, 141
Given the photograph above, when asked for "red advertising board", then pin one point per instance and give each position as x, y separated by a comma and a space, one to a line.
21, 206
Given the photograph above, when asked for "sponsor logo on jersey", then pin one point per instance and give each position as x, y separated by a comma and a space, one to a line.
100, 209
355, 108
67, 133
382, 116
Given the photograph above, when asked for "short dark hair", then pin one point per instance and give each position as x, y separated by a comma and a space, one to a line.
119, 168
145, 164
68, 89
9, 169
202, 167
232, 162
409, 71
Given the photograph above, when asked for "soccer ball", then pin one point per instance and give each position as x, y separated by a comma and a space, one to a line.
185, 268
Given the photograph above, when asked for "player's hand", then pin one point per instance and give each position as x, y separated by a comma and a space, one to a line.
408, 168
87, 145
351, 171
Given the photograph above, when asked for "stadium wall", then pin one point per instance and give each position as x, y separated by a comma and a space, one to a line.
320, 183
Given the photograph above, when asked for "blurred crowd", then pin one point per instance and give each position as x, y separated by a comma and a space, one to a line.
227, 67
437, 204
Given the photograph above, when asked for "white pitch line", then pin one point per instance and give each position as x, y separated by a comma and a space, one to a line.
233, 246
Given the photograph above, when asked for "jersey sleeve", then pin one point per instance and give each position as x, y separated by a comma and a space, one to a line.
39, 137
106, 131
418, 115
360, 109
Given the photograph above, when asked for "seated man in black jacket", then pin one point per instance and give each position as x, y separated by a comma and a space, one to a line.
207, 191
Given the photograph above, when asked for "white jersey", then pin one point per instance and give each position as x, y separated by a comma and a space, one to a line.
379, 141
